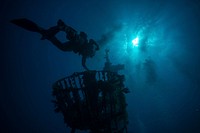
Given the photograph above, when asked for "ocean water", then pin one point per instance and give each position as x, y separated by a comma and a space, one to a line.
161, 69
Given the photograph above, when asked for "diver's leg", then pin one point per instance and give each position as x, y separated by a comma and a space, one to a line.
62, 46
63, 27
52, 31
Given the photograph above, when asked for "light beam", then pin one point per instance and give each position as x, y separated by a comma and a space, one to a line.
135, 42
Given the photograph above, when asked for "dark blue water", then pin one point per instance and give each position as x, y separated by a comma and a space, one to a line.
162, 72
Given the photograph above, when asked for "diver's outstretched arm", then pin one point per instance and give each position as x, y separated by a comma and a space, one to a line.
97, 46
94, 43
84, 62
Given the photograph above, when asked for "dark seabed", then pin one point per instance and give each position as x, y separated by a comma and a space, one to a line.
162, 72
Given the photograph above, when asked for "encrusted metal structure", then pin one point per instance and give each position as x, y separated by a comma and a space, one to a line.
92, 100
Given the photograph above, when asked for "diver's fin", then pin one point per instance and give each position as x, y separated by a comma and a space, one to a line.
30, 26
27, 24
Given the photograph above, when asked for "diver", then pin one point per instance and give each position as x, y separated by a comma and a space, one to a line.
76, 42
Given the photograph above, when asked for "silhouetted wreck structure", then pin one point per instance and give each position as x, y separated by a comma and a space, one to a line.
92, 100
108, 65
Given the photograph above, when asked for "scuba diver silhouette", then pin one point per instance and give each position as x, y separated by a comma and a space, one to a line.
76, 42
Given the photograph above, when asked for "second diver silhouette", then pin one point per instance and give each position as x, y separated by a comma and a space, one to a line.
76, 42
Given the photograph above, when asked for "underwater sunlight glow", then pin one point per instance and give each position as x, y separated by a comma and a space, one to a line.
135, 42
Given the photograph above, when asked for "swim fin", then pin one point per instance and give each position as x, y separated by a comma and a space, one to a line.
27, 24
31, 26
